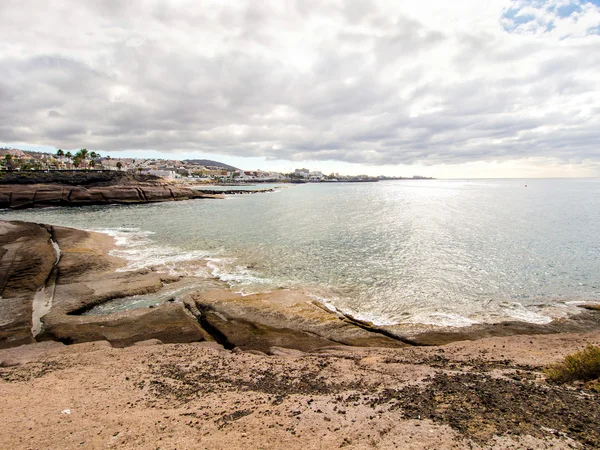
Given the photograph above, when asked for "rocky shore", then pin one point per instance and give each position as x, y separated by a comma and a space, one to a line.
20, 190
44, 195
219, 370
66, 272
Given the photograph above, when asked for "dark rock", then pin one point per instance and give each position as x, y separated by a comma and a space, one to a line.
35, 195
26, 259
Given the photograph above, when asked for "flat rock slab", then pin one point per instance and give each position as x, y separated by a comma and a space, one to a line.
282, 318
168, 323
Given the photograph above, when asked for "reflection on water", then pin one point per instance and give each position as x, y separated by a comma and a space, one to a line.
443, 252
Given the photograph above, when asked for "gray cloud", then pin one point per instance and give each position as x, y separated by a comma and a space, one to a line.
349, 81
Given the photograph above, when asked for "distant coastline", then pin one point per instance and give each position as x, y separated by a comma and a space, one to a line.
190, 170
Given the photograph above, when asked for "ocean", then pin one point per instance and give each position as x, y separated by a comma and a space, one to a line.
440, 252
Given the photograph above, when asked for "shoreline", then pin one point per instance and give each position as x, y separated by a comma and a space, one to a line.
87, 275
266, 370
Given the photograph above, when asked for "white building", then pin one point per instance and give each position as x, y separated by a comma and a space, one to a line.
167, 174
304, 173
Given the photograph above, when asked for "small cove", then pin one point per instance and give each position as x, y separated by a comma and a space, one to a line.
444, 252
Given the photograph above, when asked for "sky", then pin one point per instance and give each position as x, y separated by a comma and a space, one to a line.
468, 88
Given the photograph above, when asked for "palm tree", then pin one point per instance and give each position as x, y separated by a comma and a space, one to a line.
119, 165
92, 163
59, 152
82, 153
68, 155
93, 155
8, 161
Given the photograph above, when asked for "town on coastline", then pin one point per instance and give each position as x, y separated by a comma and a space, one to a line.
198, 170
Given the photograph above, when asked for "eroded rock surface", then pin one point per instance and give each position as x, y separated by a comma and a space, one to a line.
281, 318
169, 323
85, 276
26, 259
40, 195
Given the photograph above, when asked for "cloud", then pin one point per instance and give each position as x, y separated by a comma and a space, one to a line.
362, 81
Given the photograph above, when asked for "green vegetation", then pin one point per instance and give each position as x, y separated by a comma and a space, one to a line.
580, 366
82, 159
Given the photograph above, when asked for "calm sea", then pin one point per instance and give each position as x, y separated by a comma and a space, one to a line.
438, 252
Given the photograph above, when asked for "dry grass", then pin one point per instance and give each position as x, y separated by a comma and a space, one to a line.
580, 366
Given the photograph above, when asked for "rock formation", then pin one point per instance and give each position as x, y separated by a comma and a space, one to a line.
26, 260
86, 275
282, 318
40, 195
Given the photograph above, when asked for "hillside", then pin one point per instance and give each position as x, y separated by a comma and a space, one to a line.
74, 177
210, 163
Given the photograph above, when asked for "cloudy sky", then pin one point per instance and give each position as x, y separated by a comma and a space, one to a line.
461, 88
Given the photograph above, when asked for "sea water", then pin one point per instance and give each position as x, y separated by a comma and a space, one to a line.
443, 252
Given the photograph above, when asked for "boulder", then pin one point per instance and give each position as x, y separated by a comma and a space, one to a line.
156, 194
79, 196
120, 194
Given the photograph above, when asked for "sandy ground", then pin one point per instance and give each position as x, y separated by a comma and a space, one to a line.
489, 393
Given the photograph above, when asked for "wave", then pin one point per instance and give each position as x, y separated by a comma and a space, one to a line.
137, 248
140, 252
508, 311
238, 277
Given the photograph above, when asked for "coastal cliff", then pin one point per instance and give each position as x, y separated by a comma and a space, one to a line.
42, 195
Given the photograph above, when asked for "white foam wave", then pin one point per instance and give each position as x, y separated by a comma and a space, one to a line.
510, 311
330, 304
137, 249
442, 320
582, 302
237, 276
519, 312
127, 237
